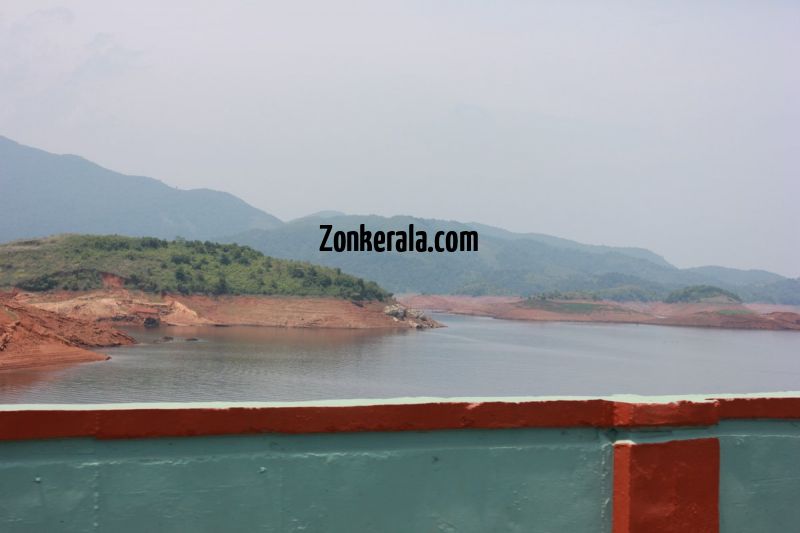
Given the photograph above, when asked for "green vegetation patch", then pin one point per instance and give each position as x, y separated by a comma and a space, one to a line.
699, 293
735, 312
79, 262
581, 308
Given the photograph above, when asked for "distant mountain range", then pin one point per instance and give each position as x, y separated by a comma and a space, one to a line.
45, 194
512, 263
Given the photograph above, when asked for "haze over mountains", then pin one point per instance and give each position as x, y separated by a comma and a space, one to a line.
45, 194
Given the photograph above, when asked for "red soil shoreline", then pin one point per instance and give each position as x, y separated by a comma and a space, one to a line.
38, 329
31, 337
711, 314
122, 307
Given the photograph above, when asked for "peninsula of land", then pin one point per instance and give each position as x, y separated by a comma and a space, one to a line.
66, 294
711, 312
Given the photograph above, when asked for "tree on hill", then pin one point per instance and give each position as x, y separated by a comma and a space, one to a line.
699, 293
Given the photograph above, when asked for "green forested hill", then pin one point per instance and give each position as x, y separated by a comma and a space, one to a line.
77, 262
700, 293
511, 263
516, 264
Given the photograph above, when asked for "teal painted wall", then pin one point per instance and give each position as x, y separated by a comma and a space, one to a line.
528, 480
760, 477
550, 481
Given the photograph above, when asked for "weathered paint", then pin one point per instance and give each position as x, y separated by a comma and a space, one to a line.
476, 480
165, 420
760, 476
775, 407
666, 487
179, 421
465, 464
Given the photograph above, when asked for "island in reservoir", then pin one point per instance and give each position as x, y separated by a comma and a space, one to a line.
67, 293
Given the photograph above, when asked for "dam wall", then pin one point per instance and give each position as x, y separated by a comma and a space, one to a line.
619, 464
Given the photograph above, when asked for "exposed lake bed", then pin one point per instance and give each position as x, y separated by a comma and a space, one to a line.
472, 356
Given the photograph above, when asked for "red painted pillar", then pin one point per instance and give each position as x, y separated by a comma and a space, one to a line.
666, 487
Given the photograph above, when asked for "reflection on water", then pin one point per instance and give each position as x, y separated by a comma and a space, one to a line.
471, 357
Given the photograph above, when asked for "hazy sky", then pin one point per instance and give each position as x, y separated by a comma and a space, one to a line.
669, 125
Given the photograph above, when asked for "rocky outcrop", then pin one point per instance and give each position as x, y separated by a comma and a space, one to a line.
413, 317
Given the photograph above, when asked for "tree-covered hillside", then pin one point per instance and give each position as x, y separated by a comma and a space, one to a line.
79, 262
700, 293
511, 264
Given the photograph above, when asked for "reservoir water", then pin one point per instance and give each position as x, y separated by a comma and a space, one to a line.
470, 357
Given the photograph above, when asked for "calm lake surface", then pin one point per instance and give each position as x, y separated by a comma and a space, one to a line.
471, 357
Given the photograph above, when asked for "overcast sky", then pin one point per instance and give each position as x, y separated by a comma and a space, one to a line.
669, 125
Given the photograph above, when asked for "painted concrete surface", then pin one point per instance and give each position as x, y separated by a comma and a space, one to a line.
666, 487
532, 480
407, 465
760, 476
